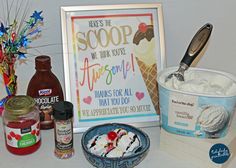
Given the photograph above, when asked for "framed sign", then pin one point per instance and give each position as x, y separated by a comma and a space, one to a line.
112, 55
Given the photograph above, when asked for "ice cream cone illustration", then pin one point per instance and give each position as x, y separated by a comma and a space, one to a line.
144, 45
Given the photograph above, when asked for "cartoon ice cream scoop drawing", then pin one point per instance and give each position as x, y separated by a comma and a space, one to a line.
144, 52
213, 119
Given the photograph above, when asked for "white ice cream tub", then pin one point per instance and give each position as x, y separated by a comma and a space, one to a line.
197, 114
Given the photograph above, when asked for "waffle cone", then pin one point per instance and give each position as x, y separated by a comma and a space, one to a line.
149, 74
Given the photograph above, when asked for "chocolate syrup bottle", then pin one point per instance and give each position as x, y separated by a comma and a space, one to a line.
46, 89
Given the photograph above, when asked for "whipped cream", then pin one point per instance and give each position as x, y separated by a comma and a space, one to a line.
213, 119
124, 144
202, 82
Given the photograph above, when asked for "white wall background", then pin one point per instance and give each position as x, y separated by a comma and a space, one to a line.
182, 18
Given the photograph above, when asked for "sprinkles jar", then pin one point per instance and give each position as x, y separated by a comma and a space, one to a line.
63, 129
21, 125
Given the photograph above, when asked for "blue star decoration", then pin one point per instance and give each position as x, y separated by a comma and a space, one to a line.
21, 55
24, 42
3, 30
22, 58
37, 16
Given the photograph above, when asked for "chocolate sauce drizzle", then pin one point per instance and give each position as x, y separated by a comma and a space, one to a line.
94, 142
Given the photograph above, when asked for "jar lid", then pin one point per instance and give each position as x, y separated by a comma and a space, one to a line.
19, 105
62, 110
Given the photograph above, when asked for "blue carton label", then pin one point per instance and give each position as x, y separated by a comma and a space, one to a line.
195, 115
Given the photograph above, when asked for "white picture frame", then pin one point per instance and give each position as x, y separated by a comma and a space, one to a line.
103, 49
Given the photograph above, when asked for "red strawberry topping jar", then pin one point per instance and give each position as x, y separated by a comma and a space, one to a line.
21, 125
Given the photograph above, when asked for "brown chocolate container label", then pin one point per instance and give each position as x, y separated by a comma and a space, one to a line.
45, 106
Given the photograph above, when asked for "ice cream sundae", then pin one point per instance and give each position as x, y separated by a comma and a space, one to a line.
116, 143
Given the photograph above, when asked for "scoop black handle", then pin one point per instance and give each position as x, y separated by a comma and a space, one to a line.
197, 44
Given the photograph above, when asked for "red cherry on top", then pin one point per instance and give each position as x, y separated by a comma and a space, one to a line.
142, 27
112, 135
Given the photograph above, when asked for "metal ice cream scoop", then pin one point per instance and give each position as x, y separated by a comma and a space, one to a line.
195, 47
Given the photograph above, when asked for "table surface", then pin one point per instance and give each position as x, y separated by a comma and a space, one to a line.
44, 156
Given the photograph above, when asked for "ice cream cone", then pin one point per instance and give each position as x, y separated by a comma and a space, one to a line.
144, 52
149, 74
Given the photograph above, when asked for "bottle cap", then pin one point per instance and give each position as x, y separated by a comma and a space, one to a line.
20, 105
43, 62
62, 110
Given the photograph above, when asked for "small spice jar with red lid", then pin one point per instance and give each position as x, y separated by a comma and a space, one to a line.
21, 125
